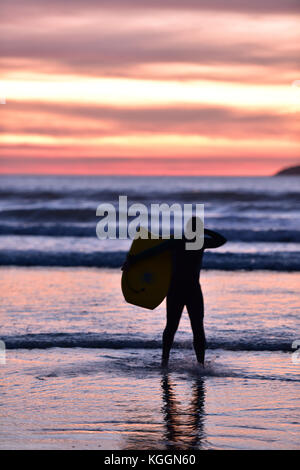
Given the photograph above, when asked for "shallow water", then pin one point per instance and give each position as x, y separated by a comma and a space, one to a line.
82, 366
82, 398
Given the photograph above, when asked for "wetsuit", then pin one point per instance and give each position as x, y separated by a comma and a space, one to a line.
185, 289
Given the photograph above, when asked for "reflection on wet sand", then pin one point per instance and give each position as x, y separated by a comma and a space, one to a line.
183, 425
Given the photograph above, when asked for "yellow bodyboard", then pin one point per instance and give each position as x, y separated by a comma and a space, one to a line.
146, 283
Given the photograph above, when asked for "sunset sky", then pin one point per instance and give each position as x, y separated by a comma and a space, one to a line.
149, 87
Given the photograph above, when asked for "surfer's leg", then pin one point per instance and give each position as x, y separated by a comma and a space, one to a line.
175, 306
195, 308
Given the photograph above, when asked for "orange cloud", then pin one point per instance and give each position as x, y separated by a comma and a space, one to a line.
196, 79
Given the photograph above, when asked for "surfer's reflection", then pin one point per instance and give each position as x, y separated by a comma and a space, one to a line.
184, 428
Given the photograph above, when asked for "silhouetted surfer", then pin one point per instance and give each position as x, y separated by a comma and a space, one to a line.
185, 289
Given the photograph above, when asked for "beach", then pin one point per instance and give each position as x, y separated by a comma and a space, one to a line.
82, 366
173, 119
100, 385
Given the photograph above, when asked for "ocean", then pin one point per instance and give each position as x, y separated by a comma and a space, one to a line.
80, 369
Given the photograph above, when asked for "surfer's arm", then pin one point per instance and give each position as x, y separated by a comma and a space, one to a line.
155, 250
213, 239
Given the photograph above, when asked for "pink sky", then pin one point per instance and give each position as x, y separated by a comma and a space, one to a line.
136, 87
